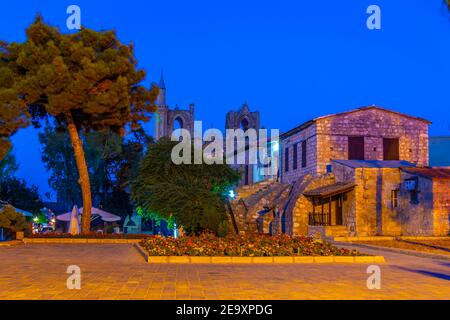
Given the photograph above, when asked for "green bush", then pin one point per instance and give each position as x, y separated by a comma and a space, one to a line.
224, 229
12, 220
193, 195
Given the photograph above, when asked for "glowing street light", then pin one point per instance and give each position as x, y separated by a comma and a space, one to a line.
275, 146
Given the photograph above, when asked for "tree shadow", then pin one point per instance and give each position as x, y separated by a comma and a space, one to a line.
438, 275
446, 264
427, 245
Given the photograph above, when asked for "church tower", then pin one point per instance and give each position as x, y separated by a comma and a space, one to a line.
244, 119
166, 119
161, 100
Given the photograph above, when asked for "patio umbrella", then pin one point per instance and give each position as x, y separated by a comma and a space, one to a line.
105, 216
74, 225
24, 213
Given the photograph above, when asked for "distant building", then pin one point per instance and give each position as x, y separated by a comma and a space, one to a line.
440, 151
168, 119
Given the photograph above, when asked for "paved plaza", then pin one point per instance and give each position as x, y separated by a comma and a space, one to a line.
116, 271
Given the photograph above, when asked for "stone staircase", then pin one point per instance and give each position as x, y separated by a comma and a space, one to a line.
336, 231
327, 232
250, 200
246, 191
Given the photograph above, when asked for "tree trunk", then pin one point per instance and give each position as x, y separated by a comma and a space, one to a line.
82, 171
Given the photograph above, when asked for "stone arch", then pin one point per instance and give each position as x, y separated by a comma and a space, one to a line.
244, 123
297, 215
244, 119
178, 122
283, 223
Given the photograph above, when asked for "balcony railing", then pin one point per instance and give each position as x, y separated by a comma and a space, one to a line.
319, 219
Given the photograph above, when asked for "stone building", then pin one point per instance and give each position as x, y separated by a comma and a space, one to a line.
368, 133
358, 173
356, 176
424, 201
362, 172
167, 119
374, 198
244, 119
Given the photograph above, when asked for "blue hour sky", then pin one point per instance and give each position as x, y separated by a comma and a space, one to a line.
291, 60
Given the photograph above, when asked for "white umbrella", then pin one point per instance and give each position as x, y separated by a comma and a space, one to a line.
74, 225
105, 216
24, 213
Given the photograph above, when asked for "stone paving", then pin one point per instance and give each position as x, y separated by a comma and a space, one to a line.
116, 271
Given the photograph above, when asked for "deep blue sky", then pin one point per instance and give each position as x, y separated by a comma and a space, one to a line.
291, 60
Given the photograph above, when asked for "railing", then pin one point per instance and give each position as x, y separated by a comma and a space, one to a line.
319, 219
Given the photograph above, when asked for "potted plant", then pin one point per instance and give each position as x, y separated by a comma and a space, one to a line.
13, 221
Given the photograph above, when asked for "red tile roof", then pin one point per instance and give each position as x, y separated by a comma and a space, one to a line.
330, 190
429, 172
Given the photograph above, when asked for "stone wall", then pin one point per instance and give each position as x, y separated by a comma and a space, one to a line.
374, 124
303, 205
291, 175
430, 215
441, 206
368, 210
256, 201
327, 139
416, 218
375, 214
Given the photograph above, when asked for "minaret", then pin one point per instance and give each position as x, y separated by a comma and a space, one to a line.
161, 113
161, 101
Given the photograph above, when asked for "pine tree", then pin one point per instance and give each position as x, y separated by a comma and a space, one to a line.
87, 81
192, 194
13, 111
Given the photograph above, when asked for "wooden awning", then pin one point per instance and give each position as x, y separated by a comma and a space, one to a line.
330, 190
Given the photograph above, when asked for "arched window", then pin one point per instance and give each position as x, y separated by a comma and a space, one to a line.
177, 123
244, 124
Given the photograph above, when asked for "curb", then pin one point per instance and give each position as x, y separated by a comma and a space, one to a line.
388, 238
78, 241
10, 243
256, 260
350, 239
400, 251
141, 251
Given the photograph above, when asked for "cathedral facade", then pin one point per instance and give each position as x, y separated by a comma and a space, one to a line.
168, 119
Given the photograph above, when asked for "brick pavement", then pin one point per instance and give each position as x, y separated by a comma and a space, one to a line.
116, 271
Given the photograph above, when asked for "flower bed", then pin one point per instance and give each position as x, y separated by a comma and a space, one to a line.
250, 245
93, 235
